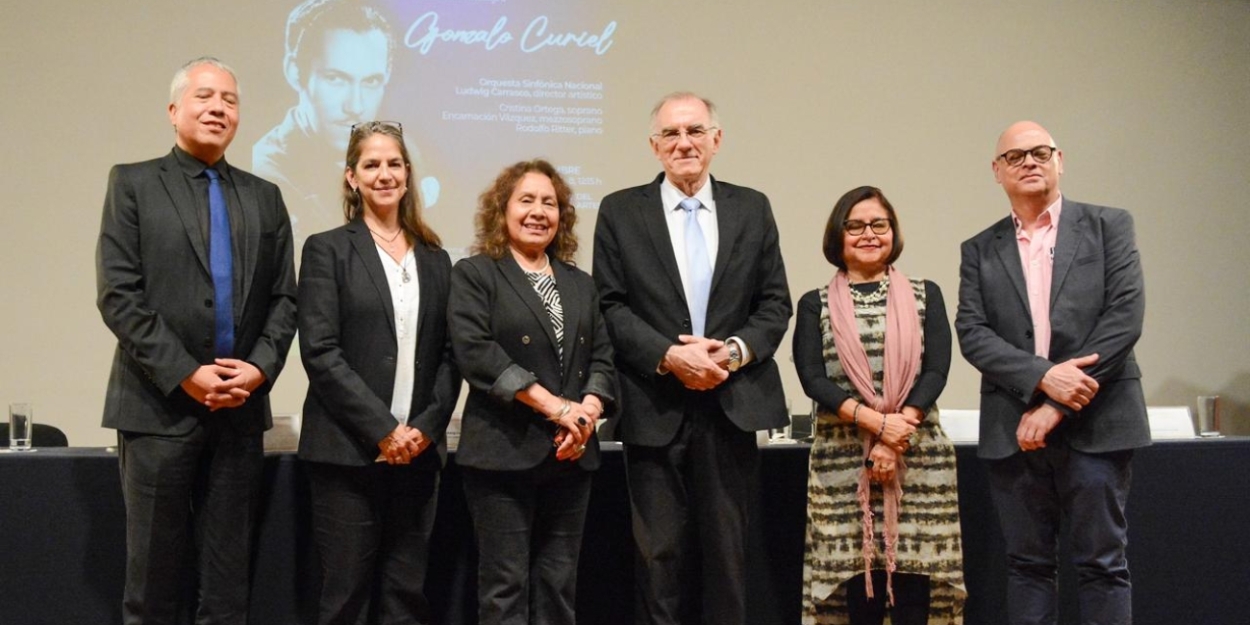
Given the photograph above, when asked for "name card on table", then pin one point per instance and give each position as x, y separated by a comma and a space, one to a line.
1170, 423
961, 426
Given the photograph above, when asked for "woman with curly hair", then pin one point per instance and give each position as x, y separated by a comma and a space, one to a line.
529, 339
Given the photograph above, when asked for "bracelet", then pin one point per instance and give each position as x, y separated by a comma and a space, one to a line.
882, 432
564, 409
855, 414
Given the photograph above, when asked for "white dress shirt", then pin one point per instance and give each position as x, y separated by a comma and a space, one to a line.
675, 216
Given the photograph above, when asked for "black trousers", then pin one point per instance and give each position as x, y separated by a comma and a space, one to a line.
372, 526
529, 538
911, 600
191, 502
1032, 491
690, 502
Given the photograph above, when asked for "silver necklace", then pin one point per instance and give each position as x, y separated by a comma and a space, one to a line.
404, 267
860, 297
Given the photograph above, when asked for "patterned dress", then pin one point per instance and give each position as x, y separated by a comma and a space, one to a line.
929, 537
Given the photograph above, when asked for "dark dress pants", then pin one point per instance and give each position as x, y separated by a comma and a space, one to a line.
372, 526
690, 507
189, 499
1032, 492
911, 600
529, 538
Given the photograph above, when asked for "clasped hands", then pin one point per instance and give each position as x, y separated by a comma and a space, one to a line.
882, 463
701, 364
227, 383
1065, 383
402, 445
899, 428
895, 440
577, 423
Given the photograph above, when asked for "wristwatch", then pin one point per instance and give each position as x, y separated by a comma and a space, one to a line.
735, 356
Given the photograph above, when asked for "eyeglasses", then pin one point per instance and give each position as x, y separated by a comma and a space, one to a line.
1041, 154
374, 126
856, 227
669, 136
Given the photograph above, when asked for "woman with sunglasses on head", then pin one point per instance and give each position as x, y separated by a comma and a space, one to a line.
533, 347
873, 350
382, 386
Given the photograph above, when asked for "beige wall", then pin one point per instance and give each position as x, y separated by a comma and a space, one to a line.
1149, 100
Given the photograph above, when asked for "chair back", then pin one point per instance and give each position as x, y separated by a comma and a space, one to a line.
43, 435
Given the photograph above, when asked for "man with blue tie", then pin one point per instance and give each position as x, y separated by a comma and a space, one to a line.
195, 278
694, 293
1051, 303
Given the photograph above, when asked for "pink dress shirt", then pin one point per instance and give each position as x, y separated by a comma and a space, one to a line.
1037, 255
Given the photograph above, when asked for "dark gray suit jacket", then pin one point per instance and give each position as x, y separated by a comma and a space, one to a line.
155, 292
504, 342
645, 307
349, 347
1097, 304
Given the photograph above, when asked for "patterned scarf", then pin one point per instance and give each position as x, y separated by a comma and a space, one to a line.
902, 364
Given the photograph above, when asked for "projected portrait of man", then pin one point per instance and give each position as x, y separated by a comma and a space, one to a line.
339, 56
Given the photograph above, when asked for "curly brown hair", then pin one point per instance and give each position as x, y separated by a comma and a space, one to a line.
491, 224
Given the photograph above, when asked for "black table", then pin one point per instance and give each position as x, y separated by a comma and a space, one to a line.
62, 539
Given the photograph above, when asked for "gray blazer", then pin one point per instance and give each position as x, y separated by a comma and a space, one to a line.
504, 341
348, 343
1097, 307
645, 307
155, 293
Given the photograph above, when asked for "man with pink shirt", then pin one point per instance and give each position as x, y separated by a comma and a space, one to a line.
1051, 302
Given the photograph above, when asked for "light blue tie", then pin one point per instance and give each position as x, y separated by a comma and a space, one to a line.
698, 266
221, 265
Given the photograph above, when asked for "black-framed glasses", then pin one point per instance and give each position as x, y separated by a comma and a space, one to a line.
697, 132
1040, 154
377, 125
856, 227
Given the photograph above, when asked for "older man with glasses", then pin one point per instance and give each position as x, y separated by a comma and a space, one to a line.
694, 293
1051, 302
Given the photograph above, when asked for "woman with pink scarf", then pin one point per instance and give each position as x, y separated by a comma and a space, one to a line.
873, 350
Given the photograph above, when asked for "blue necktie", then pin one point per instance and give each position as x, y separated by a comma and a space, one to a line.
221, 264
698, 266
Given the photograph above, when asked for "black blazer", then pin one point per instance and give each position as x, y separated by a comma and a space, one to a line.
155, 293
504, 341
645, 307
348, 344
1097, 306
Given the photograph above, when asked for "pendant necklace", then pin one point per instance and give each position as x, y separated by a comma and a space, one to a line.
404, 267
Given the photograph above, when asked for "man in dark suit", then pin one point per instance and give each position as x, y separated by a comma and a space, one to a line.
195, 277
694, 293
1051, 302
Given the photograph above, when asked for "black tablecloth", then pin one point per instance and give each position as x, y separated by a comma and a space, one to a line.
62, 539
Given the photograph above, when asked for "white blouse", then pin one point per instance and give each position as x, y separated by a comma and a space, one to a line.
406, 300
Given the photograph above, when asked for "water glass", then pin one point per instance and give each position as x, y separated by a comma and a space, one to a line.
21, 425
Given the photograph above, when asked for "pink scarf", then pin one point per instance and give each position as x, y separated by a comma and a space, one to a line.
902, 364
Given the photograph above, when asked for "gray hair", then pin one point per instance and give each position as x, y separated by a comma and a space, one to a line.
179, 83
683, 95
